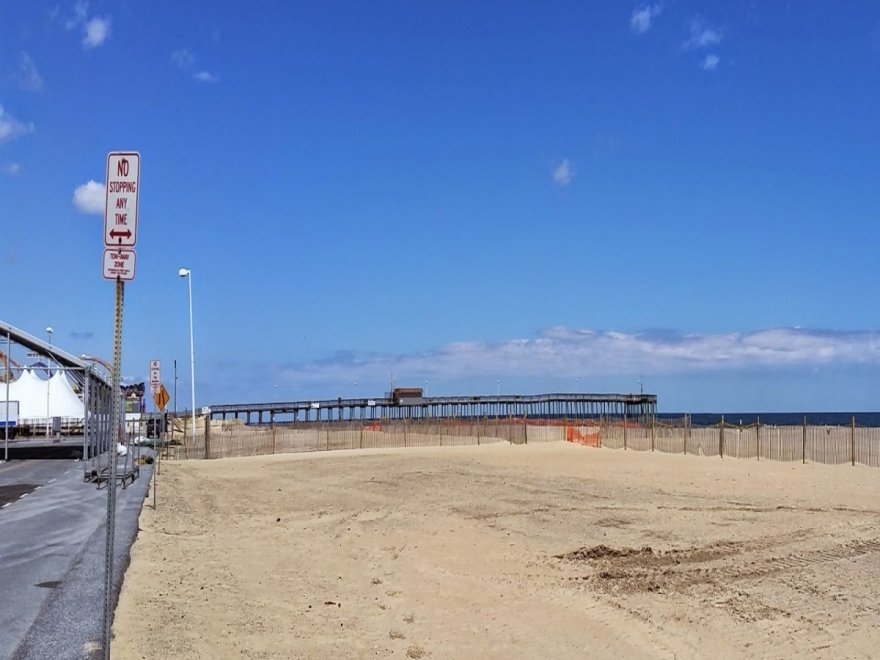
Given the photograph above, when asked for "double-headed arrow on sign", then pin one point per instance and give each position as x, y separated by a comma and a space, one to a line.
114, 233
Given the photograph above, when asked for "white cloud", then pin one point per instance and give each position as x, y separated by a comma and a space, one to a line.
205, 76
563, 173
80, 13
28, 77
89, 198
701, 35
11, 128
12, 169
96, 32
186, 61
710, 62
640, 20
562, 352
183, 59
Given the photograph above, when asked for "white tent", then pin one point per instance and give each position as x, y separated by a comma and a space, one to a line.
63, 401
30, 392
36, 396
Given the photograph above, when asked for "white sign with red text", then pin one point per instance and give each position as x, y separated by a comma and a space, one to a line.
155, 377
119, 264
121, 205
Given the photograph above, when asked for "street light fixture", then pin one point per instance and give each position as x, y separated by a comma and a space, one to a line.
49, 332
97, 360
187, 273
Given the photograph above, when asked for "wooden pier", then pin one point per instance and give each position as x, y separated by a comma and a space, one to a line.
537, 406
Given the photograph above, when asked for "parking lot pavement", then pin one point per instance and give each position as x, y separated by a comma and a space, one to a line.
52, 546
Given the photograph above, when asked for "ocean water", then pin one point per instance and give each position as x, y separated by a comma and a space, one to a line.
779, 418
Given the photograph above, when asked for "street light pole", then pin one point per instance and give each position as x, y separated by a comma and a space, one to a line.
175, 395
187, 273
49, 331
6, 425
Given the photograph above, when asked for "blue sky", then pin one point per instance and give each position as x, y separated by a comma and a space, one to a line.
531, 196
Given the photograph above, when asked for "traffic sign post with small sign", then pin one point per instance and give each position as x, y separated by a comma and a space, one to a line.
123, 184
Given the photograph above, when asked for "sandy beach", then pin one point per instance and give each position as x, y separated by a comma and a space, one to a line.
504, 551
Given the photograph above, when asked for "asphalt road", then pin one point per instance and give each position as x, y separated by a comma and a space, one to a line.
40, 447
52, 549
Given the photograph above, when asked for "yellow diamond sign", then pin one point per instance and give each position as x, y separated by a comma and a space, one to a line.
161, 398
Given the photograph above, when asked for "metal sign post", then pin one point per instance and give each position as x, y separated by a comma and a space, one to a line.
120, 236
156, 388
116, 433
156, 462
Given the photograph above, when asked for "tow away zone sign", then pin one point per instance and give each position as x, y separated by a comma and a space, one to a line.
119, 263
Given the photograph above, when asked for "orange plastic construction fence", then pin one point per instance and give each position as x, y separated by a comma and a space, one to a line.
586, 438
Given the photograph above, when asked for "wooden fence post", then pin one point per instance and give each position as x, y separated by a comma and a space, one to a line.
362, 434
526, 428
852, 447
686, 434
272, 421
624, 430
404, 431
758, 436
804, 443
652, 433
207, 436
721, 437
